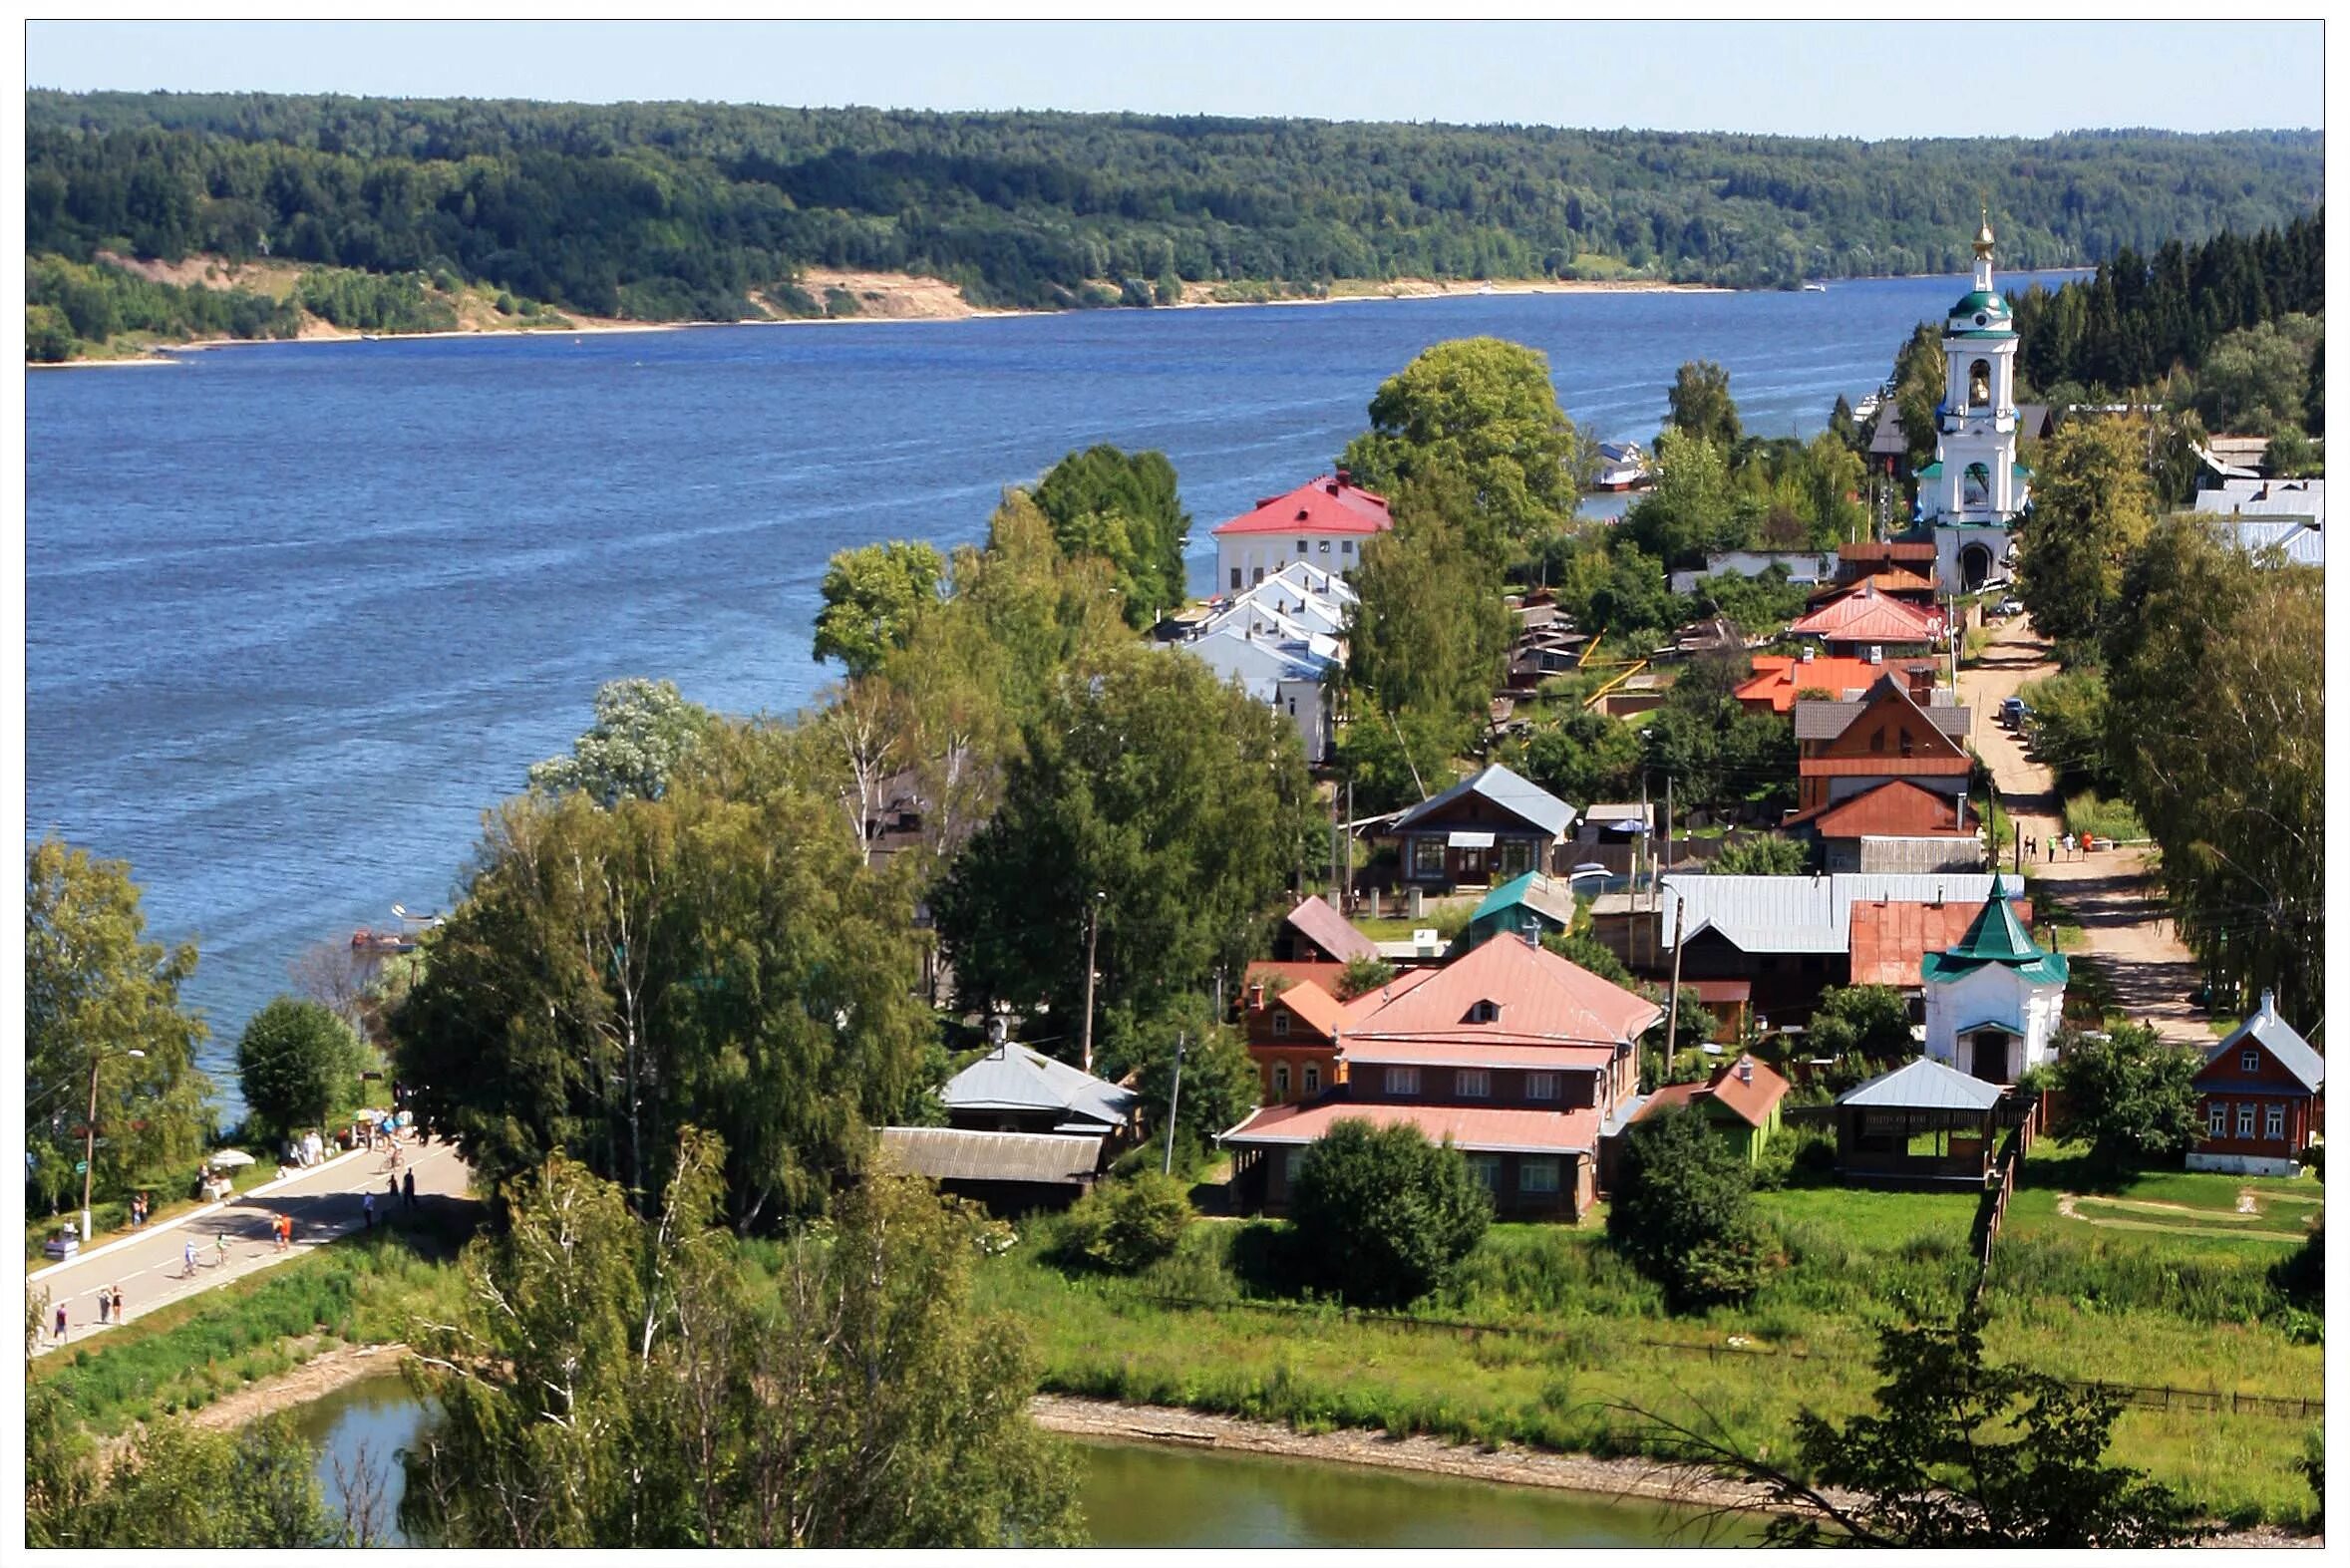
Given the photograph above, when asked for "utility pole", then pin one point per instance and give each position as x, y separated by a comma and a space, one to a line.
89, 1134
1337, 881
1673, 995
1175, 1097
1093, 932
1347, 888
1668, 865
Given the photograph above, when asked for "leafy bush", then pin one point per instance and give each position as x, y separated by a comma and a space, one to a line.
1798, 1154
2131, 1094
1381, 1216
1125, 1225
1871, 1023
1683, 1212
2087, 813
1763, 854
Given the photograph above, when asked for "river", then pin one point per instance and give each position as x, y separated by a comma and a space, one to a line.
1138, 1494
297, 613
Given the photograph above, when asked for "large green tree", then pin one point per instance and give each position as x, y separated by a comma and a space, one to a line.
1381, 1216
297, 1062
1701, 405
1683, 1210
96, 992
174, 1487
1690, 510
2129, 1094
719, 956
2214, 721
875, 597
643, 729
627, 1380
1482, 410
1430, 633
2092, 504
1181, 802
1122, 506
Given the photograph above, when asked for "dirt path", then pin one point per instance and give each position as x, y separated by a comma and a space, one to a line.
2067, 1205
2118, 908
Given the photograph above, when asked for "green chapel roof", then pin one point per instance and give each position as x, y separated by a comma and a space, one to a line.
1996, 937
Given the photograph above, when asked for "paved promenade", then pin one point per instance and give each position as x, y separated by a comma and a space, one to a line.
326, 1202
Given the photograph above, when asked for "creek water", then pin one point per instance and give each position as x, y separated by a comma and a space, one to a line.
1144, 1494
297, 613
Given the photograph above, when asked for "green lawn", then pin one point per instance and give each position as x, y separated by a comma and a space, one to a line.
1577, 1341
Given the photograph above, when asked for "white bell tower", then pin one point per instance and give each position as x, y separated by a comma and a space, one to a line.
1975, 489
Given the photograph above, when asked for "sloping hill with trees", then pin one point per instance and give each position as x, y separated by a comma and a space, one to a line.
681, 211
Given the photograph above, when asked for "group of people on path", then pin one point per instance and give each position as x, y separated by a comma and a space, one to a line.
2070, 845
110, 1310
138, 1211
398, 1189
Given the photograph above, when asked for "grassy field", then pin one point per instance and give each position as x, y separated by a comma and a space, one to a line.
1547, 1338
364, 1290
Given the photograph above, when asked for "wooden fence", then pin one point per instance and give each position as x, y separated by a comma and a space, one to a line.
2001, 1188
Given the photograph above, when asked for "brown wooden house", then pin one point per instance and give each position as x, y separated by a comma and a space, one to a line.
1488, 829
1848, 749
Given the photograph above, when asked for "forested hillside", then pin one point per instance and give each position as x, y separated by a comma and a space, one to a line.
677, 211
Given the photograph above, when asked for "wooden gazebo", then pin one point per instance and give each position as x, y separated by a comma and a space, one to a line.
1923, 1124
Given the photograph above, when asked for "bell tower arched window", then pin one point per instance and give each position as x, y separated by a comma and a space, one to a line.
1975, 489
1978, 385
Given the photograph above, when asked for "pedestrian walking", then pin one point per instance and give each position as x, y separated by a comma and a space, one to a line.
60, 1323
187, 1257
2052, 851
119, 1304
104, 1307
367, 1211
408, 1188
2072, 850
220, 1248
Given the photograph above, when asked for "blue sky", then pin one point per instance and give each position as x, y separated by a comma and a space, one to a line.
1840, 78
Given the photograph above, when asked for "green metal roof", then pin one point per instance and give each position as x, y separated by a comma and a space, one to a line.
1982, 301
1510, 892
1931, 469
1996, 937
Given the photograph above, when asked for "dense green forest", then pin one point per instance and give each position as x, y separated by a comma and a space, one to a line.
681, 210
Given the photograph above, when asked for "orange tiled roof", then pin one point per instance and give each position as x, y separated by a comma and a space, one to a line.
1778, 677
1543, 1000
1865, 615
1750, 1100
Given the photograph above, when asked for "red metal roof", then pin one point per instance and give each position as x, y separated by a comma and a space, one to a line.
1474, 1129
1330, 931
1322, 1012
1750, 1099
1888, 939
1543, 1000
1262, 970
1865, 615
1540, 1056
1778, 677
1330, 504
1897, 809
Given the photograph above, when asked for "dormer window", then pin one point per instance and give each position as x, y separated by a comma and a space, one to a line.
2251, 1061
1280, 1023
1485, 1012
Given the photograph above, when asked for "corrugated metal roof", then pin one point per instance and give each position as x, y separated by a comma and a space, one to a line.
1806, 914
1326, 505
1518, 797
1014, 1078
1816, 720
1897, 809
2295, 1055
1542, 999
1925, 1085
1891, 942
1865, 615
1330, 931
958, 1154
1473, 1130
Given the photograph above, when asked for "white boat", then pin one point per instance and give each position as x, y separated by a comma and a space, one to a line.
1815, 289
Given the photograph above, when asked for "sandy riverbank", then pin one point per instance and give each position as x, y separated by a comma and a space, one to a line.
895, 297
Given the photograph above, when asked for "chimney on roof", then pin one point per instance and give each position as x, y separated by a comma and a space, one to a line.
1806, 654
1746, 1069
998, 1031
1345, 478
1257, 997
1876, 653
1921, 683
2268, 1004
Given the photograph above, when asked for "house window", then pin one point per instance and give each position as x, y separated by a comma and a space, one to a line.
1473, 1084
1487, 1012
1280, 1023
1301, 546
2251, 1061
1539, 1174
1907, 744
1403, 1080
1289, 1163
1346, 546
1325, 547
1487, 1168
1428, 857
2247, 1114
2219, 1119
1280, 1081
1258, 577
1541, 1086
2274, 1125
1517, 856
1313, 1078
1235, 579
1876, 739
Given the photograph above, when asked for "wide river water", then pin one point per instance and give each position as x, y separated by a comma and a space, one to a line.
1138, 1494
297, 613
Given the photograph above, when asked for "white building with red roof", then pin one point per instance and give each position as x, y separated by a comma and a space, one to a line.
1513, 1053
1325, 525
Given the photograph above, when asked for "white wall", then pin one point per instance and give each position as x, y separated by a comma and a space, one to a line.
1261, 555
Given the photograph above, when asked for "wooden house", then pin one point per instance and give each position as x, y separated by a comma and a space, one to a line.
2263, 1094
1740, 1100
1013, 1089
1511, 1053
1532, 902
1493, 825
1848, 749
1898, 827
1007, 1174
1866, 618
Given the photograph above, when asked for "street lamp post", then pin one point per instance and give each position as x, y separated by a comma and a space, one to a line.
1175, 1099
1093, 933
90, 1135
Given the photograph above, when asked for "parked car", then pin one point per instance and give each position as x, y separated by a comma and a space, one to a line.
2013, 713
2008, 607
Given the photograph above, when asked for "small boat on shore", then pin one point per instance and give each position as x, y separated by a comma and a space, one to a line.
1814, 287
